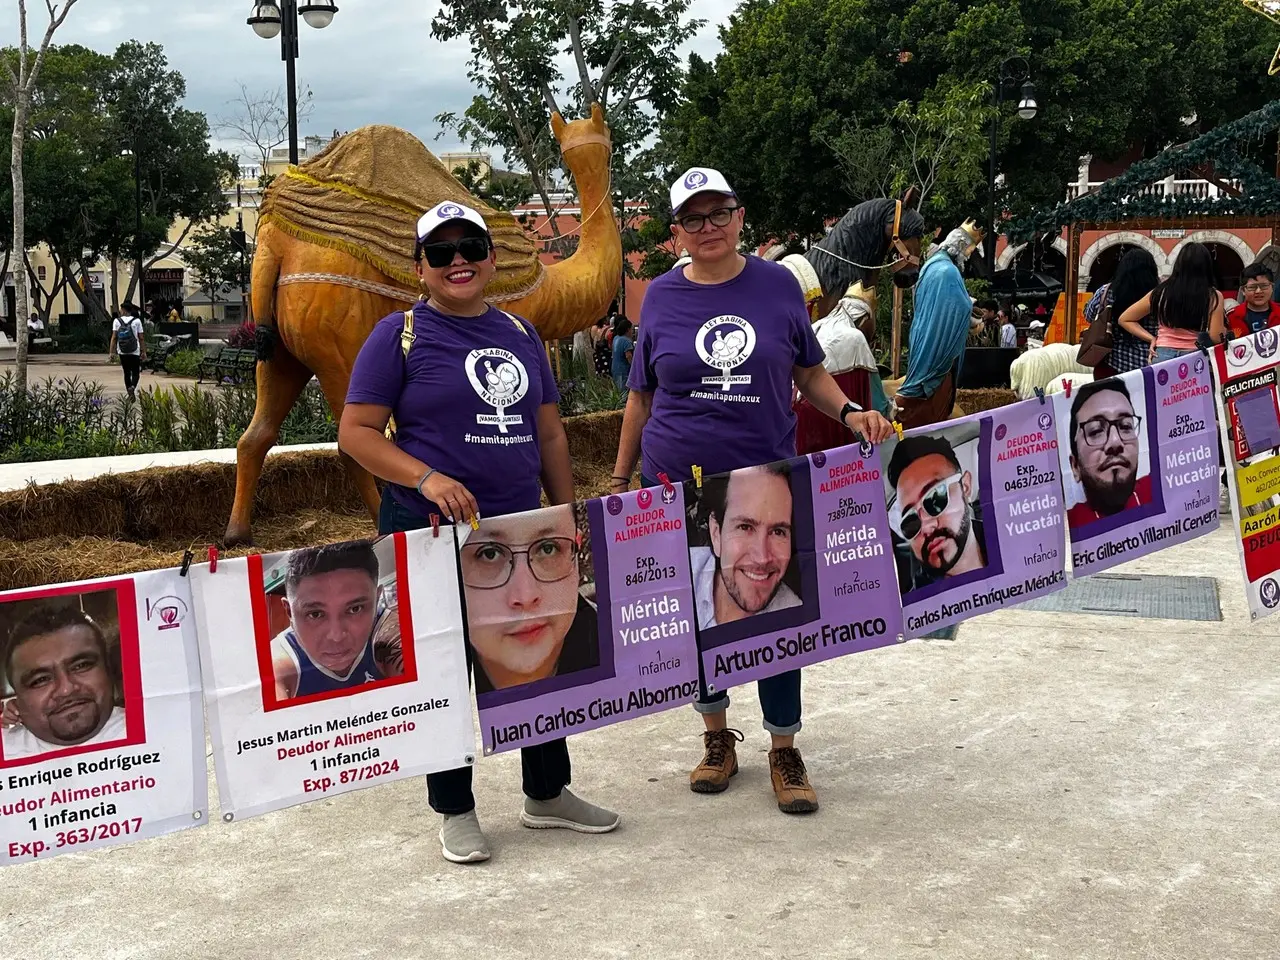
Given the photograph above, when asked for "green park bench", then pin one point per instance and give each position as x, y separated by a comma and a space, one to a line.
234, 363
159, 353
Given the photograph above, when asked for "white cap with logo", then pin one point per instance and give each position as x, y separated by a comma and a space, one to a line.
448, 212
698, 180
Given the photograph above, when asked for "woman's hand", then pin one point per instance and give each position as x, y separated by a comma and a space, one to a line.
873, 427
452, 497
1151, 353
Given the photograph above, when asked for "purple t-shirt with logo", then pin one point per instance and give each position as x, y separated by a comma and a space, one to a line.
718, 360
466, 402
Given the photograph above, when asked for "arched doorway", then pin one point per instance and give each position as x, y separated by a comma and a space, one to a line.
1104, 266
1227, 268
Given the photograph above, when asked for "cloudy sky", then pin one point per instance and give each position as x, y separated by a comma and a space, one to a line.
376, 63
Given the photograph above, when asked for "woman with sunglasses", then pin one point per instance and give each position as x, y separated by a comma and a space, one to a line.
722, 341
477, 428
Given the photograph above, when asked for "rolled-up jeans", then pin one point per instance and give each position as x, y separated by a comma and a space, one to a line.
545, 767
779, 695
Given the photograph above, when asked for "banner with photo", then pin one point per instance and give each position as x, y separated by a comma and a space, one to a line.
976, 515
579, 616
322, 676
103, 736
792, 564
1249, 424
1139, 462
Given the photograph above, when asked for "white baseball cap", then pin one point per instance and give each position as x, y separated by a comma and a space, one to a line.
448, 212
698, 180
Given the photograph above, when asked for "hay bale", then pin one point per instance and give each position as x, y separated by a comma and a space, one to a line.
976, 401
593, 437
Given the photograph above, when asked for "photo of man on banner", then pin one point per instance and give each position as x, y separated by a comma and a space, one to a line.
527, 578
935, 509
1109, 455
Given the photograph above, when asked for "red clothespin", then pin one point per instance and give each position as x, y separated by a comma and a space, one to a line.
435, 524
213, 558
666, 483
1066, 388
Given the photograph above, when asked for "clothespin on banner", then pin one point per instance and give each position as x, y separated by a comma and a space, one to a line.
1066, 388
435, 524
475, 522
666, 484
897, 428
187, 557
213, 558
1040, 395
697, 475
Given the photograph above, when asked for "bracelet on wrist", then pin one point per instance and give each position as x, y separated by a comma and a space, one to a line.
621, 479
425, 477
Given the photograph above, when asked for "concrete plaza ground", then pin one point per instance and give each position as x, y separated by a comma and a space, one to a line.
1045, 786
94, 367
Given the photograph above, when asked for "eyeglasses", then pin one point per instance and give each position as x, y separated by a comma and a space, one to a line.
719, 217
1095, 431
934, 502
489, 565
440, 254
1256, 287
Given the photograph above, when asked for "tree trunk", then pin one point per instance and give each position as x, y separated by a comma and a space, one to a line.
115, 286
21, 300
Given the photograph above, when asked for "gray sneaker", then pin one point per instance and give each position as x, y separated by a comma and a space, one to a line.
462, 840
569, 812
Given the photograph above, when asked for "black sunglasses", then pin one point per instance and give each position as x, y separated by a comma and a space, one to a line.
441, 253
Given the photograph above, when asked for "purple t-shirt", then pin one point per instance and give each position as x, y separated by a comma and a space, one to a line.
718, 360
466, 402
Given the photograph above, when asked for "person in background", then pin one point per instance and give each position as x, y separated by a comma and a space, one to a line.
623, 351
1259, 311
988, 312
469, 373
127, 341
1008, 332
601, 356
174, 315
1185, 305
722, 341
1136, 276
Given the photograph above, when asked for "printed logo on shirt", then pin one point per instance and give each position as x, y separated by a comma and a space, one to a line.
501, 380
725, 343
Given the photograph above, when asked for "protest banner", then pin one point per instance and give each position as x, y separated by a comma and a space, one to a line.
579, 616
1139, 462
108, 746
792, 564
332, 668
1249, 424
976, 515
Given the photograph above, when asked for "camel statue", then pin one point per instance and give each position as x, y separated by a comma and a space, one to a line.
334, 248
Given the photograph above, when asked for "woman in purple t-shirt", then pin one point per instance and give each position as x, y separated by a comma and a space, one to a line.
477, 426
721, 342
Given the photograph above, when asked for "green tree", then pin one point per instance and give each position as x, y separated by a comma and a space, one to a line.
213, 252
801, 84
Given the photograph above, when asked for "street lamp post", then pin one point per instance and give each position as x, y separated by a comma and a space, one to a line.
1013, 71
270, 20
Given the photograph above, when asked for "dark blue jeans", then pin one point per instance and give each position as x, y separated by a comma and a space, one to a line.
779, 695
545, 768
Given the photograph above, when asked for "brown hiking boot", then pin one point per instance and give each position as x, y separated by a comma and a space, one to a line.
790, 782
719, 763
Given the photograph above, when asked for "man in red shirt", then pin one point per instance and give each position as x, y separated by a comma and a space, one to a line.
1104, 452
1259, 311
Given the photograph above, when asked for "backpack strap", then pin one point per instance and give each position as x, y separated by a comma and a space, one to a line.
516, 320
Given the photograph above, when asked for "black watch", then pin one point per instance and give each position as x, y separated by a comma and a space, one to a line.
847, 409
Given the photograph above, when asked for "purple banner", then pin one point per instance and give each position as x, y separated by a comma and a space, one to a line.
976, 515
579, 617
1139, 461
791, 565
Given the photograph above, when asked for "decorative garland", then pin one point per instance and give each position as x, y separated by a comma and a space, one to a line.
1119, 199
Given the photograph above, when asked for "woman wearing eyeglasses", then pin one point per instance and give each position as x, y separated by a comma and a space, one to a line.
722, 340
477, 428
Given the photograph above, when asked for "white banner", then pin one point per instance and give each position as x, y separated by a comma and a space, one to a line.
311, 692
103, 740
